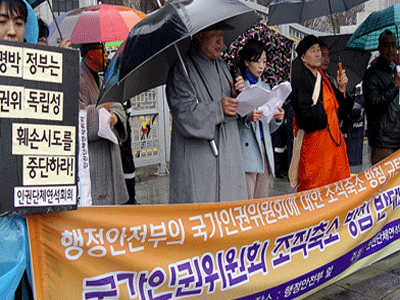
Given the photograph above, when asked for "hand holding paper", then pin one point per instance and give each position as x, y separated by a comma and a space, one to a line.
255, 97
104, 126
255, 115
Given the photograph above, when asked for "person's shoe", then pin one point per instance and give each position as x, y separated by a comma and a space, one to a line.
130, 202
282, 176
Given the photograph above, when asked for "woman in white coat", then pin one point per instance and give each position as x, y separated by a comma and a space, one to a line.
255, 134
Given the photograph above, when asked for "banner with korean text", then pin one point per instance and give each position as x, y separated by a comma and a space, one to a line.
277, 248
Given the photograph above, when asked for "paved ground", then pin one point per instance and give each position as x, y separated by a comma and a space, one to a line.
378, 281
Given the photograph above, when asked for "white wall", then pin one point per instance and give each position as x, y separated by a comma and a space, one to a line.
43, 11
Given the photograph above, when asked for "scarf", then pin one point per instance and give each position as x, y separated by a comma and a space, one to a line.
251, 78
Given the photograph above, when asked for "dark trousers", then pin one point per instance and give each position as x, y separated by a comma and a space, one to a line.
378, 153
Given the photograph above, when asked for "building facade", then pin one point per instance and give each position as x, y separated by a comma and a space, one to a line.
60, 6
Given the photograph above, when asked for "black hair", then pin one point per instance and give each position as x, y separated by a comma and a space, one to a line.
384, 34
16, 7
251, 51
43, 28
323, 45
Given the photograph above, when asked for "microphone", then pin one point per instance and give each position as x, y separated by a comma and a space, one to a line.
235, 72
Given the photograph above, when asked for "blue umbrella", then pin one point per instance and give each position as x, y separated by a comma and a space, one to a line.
366, 36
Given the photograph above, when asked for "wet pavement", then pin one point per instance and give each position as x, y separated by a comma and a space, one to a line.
380, 280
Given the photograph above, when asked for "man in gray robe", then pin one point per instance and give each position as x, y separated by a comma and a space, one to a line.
203, 110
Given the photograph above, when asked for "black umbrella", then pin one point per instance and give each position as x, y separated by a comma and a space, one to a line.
354, 61
297, 11
153, 45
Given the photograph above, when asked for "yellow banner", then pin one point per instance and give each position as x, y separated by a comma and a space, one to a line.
277, 248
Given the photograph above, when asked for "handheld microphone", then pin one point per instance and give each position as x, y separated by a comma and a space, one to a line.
235, 72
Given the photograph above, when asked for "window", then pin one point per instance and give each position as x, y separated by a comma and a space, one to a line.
61, 6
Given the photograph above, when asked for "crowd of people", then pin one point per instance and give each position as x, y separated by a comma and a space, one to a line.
217, 155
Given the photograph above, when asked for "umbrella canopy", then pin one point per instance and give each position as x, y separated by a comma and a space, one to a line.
156, 42
367, 34
35, 3
279, 52
95, 24
354, 61
297, 11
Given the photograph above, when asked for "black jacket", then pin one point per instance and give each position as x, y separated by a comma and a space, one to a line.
382, 105
311, 118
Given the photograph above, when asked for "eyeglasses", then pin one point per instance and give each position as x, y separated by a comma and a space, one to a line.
97, 48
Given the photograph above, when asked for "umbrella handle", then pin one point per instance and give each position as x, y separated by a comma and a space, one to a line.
54, 18
340, 73
181, 59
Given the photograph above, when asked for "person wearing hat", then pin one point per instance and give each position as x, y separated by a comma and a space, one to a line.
107, 182
206, 160
322, 154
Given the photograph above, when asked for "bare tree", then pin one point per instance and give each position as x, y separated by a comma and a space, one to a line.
333, 22
264, 2
145, 6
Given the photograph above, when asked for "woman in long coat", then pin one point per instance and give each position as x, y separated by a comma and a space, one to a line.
255, 134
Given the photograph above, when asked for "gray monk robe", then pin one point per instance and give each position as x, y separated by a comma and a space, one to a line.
196, 175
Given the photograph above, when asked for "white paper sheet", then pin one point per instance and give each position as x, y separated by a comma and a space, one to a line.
255, 97
104, 126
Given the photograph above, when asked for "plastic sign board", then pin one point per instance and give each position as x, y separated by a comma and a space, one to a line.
39, 95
